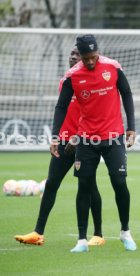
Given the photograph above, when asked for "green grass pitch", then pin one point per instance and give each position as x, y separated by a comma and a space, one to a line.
18, 216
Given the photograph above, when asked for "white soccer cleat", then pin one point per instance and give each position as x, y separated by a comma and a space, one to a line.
128, 241
81, 246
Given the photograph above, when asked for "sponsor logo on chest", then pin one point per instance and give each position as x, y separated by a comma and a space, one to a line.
85, 94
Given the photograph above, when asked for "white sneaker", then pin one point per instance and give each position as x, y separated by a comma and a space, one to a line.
126, 238
81, 246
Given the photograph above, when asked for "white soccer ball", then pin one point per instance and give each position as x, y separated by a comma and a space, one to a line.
23, 187
23, 184
9, 187
35, 187
42, 185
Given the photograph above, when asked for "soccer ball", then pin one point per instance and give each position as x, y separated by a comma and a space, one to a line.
23, 187
35, 187
9, 187
27, 187
42, 185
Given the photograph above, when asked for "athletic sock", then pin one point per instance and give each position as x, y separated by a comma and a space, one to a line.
82, 242
126, 235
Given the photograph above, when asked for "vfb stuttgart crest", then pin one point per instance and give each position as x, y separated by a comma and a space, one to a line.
106, 76
77, 165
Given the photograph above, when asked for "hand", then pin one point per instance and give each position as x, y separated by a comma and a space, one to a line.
130, 138
54, 148
70, 147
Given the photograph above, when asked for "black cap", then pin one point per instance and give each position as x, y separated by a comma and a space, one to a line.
86, 43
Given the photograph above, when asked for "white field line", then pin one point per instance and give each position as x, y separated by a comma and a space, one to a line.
106, 237
15, 249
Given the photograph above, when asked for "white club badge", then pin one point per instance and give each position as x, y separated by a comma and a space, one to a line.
77, 165
106, 76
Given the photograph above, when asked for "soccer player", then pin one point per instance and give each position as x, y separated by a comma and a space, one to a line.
98, 82
58, 169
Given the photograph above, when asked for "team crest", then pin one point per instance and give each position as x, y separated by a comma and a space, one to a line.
91, 46
106, 76
77, 165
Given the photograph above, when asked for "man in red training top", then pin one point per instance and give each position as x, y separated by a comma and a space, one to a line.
98, 82
58, 169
